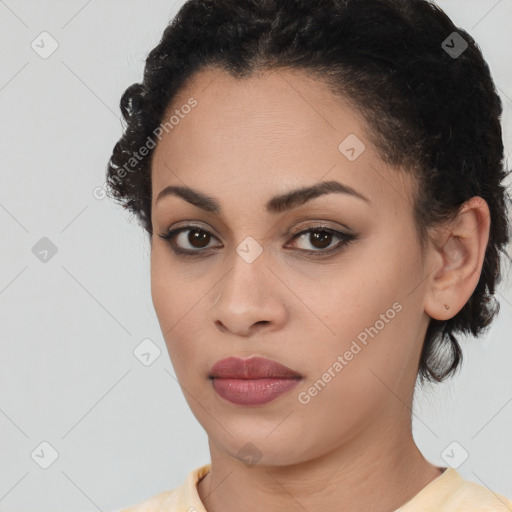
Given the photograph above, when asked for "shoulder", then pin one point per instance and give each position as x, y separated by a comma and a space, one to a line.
184, 498
451, 492
476, 497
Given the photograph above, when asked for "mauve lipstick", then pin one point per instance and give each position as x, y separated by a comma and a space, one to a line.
252, 381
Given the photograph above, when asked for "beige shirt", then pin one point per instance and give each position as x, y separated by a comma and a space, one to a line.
449, 492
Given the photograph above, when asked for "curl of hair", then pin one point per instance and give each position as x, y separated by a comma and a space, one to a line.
429, 114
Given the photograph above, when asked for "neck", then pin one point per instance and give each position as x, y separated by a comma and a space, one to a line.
378, 470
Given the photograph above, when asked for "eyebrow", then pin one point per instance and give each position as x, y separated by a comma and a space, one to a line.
277, 204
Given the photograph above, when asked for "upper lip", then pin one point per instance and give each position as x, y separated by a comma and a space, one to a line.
252, 368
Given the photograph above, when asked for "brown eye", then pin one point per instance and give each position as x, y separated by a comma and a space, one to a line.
194, 241
321, 238
198, 238
188, 240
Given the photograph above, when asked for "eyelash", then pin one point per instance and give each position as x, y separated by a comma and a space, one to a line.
345, 239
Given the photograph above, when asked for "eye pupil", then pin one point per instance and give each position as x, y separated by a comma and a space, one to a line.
317, 237
198, 236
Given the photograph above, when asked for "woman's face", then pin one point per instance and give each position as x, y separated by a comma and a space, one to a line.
346, 314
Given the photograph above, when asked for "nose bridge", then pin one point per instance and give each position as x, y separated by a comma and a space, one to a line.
248, 274
246, 295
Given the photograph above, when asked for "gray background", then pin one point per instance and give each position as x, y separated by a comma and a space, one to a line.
68, 375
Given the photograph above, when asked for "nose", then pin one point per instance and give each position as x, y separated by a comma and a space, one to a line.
250, 298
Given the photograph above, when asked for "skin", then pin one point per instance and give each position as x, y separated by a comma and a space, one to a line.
351, 446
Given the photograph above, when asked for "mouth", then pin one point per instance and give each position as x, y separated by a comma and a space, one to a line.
252, 368
253, 381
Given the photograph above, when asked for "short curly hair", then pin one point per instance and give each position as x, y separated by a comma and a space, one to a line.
433, 112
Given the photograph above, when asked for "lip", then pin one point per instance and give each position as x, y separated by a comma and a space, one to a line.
252, 381
252, 368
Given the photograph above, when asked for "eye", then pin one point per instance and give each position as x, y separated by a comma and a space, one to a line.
197, 240
321, 237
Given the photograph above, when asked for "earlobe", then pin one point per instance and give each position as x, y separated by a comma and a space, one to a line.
456, 256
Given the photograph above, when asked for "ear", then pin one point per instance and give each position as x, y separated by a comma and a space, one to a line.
455, 258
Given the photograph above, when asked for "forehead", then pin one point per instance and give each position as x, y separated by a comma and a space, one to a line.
265, 135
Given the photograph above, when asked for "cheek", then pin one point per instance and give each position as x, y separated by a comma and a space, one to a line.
179, 301
172, 292
346, 297
363, 314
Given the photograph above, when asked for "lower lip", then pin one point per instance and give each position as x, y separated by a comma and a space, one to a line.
253, 391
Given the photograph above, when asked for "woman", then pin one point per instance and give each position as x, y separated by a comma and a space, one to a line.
322, 185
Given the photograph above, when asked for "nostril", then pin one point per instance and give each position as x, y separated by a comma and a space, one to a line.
220, 325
